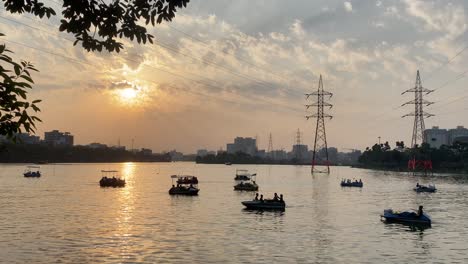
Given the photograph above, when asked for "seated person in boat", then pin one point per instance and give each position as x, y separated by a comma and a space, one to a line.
261, 198
275, 198
281, 198
256, 197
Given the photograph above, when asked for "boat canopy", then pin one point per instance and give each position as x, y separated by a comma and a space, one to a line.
182, 176
110, 173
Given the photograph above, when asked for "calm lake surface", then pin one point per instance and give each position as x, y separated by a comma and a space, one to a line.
66, 217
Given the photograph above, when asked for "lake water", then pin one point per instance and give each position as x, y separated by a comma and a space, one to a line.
66, 217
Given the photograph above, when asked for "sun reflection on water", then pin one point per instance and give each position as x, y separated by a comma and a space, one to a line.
124, 219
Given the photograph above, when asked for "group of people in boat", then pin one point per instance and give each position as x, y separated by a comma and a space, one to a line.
32, 174
187, 180
247, 183
276, 198
111, 182
181, 186
348, 181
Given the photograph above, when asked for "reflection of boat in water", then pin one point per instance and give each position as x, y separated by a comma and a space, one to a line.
247, 185
186, 179
32, 172
111, 179
243, 175
349, 183
424, 188
183, 187
419, 218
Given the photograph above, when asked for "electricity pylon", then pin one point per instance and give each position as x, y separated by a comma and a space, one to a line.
320, 142
270, 147
419, 114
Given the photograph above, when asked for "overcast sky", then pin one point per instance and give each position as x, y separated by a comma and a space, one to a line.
224, 68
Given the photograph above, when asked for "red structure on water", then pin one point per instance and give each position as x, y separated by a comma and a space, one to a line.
419, 165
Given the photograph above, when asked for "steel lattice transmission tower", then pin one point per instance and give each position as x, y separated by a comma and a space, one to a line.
298, 153
419, 114
320, 134
270, 147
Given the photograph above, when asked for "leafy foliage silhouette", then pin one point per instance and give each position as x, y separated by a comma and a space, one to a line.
98, 25
15, 110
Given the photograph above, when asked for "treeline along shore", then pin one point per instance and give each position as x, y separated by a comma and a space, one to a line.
244, 158
38, 153
448, 159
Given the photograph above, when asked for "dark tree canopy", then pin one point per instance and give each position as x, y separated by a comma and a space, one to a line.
15, 110
99, 24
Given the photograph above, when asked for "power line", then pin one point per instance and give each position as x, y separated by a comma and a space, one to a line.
32, 27
159, 69
166, 46
447, 62
170, 48
227, 53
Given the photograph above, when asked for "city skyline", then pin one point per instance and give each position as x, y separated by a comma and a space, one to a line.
367, 62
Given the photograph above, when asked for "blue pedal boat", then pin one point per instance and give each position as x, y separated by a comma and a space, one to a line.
406, 217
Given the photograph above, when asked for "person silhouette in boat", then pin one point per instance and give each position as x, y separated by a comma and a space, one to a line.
256, 197
420, 211
261, 198
275, 198
281, 198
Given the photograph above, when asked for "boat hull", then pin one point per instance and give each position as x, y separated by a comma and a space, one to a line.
34, 175
246, 187
406, 218
264, 205
183, 191
353, 184
109, 182
425, 189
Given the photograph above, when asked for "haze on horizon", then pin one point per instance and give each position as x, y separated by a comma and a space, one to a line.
187, 92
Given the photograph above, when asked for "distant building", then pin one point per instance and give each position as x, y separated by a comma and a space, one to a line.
22, 138
25, 138
279, 155
118, 147
56, 138
261, 153
300, 152
348, 158
246, 145
457, 134
437, 137
176, 156
202, 152
146, 152
96, 146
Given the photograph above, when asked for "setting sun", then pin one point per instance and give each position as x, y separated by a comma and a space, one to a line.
128, 94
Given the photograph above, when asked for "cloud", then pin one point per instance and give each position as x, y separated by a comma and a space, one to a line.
234, 71
348, 6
